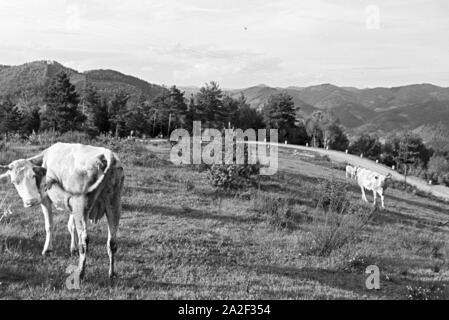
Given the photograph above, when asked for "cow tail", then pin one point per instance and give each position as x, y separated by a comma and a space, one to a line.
109, 163
37, 160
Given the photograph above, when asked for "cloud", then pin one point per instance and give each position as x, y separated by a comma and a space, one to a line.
241, 43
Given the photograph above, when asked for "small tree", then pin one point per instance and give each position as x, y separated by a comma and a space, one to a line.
407, 153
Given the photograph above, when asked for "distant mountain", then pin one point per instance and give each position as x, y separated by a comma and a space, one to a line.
29, 79
409, 117
380, 110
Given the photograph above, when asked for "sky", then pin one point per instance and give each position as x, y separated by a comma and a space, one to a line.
237, 43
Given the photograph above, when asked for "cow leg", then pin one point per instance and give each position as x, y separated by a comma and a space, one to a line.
72, 229
78, 211
382, 199
113, 212
113, 216
363, 194
48, 218
375, 197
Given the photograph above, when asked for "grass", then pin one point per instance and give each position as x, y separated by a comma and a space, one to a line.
179, 237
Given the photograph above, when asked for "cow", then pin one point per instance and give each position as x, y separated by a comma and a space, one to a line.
351, 172
373, 181
85, 180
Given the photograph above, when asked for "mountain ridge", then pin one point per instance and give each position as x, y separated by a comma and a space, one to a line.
378, 109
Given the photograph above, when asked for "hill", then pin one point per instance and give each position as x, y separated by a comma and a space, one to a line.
29, 80
379, 110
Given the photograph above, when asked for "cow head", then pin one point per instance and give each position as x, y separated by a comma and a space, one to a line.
26, 178
386, 181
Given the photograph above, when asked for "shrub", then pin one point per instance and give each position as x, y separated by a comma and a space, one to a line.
438, 169
230, 176
331, 194
337, 221
356, 263
278, 211
434, 292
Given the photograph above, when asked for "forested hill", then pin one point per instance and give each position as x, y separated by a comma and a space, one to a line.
380, 110
25, 83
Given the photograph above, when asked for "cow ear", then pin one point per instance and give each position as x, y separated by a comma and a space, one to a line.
40, 171
4, 177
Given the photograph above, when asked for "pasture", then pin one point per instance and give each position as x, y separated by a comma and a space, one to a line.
180, 238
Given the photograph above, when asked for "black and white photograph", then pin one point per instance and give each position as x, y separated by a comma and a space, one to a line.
236, 152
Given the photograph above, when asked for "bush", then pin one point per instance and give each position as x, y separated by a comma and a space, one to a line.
278, 211
434, 292
438, 170
357, 263
331, 194
337, 221
231, 176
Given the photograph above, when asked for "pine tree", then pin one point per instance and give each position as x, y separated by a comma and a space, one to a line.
279, 113
177, 109
61, 99
210, 106
407, 152
11, 119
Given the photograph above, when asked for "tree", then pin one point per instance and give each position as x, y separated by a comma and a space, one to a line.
118, 112
136, 120
408, 152
209, 105
405, 145
298, 134
61, 111
335, 136
191, 114
101, 116
279, 113
231, 107
314, 127
367, 145
438, 169
246, 117
160, 110
31, 120
11, 119
96, 111
177, 109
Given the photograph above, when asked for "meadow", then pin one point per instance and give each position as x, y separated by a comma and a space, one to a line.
181, 238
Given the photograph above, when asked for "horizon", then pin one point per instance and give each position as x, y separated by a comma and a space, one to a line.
227, 88
367, 44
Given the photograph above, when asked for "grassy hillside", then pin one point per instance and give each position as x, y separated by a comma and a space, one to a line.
181, 238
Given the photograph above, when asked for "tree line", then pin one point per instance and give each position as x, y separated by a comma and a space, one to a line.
65, 109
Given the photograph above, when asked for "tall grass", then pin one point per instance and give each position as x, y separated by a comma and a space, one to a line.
337, 220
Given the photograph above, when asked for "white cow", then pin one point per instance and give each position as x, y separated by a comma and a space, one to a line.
85, 180
351, 172
373, 181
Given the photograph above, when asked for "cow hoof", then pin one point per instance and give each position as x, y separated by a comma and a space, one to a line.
47, 253
113, 275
